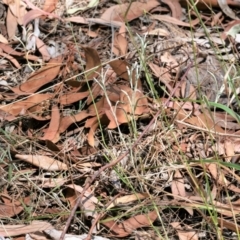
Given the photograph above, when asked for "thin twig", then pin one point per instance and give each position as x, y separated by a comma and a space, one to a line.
116, 161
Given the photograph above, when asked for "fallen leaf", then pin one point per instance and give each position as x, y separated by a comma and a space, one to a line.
69, 98
55, 235
126, 12
120, 43
11, 209
91, 4
18, 9
172, 20
159, 32
67, 121
187, 234
226, 9
41, 77
77, 19
11, 22
94, 92
205, 4
31, 15
177, 186
93, 63
104, 22
51, 133
3, 39
92, 130
128, 199
42, 48
219, 177
120, 67
125, 228
227, 224
89, 201
33, 7
175, 8
204, 121
10, 58
9, 50
50, 5
15, 230
44, 162
17, 107
229, 150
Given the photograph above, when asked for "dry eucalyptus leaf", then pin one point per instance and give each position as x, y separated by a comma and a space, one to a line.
44, 162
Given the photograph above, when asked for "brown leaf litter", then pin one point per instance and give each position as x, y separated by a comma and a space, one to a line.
119, 120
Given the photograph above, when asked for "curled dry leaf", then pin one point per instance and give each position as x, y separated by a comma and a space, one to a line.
124, 12
125, 228
44, 162
117, 118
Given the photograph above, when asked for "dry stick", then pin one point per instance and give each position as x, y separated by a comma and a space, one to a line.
114, 162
